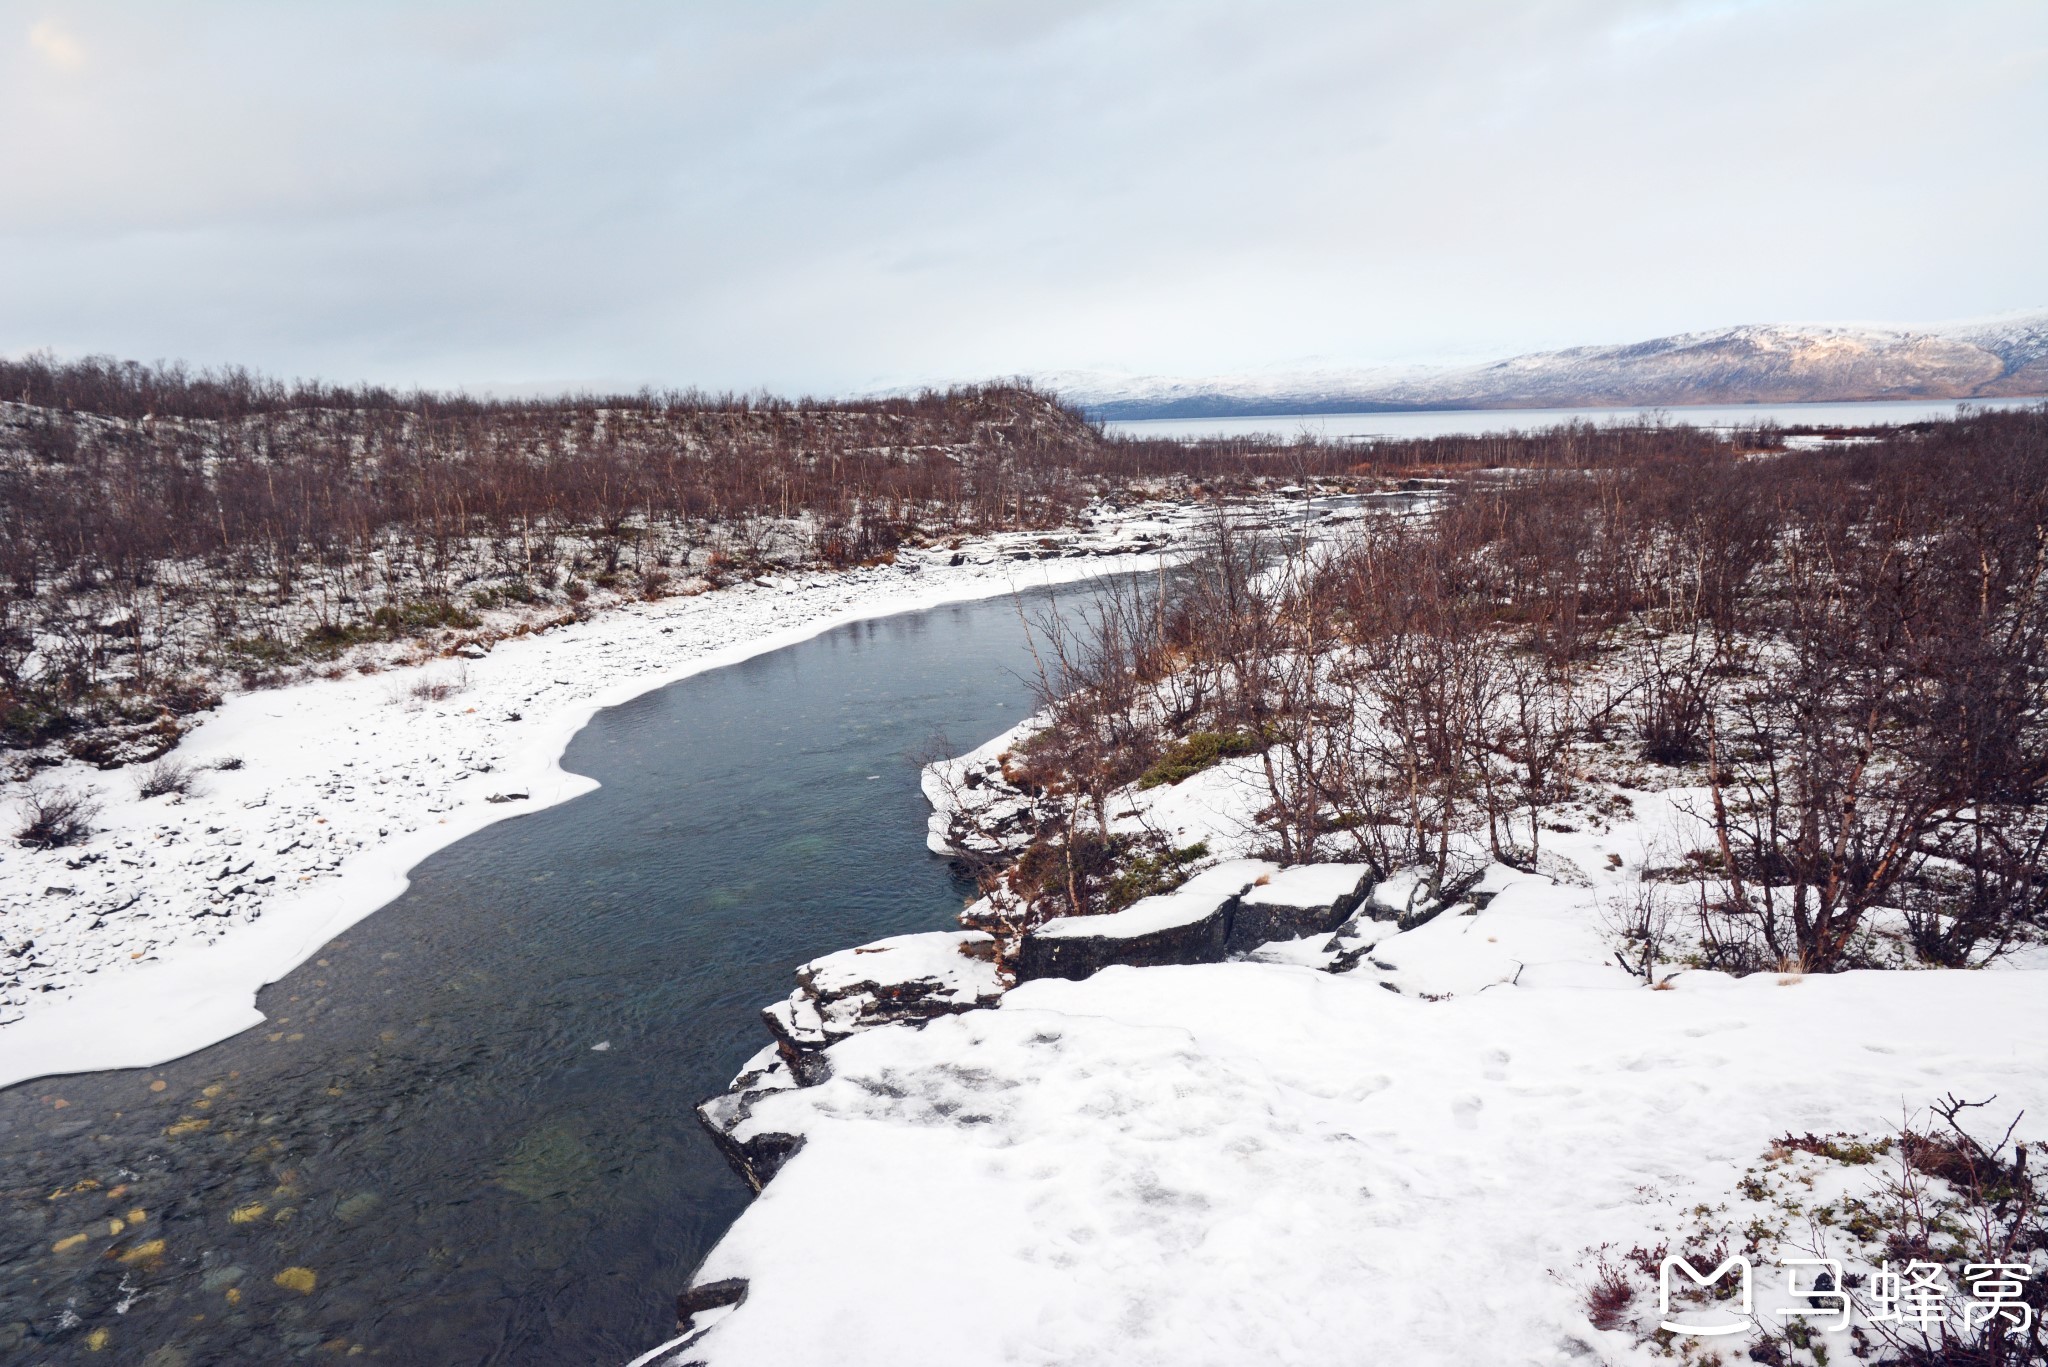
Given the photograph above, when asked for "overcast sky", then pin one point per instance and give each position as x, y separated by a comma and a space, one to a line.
827, 198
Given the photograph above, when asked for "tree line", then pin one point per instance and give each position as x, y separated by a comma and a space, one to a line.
164, 531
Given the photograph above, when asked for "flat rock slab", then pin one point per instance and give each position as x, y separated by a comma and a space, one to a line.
1189, 925
1307, 899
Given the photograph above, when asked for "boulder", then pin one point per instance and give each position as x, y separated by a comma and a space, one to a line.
1189, 925
1307, 899
1402, 901
705, 1297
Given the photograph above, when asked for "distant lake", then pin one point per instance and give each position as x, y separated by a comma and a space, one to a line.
1448, 422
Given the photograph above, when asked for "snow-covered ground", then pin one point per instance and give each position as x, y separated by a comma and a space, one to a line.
1259, 1163
1418, 1146
150, 939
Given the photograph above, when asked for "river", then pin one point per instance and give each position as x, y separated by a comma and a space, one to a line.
466, 1134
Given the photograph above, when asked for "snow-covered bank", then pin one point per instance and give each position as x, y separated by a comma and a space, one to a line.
150, 939
1257, 1163
1420, 1145
1422, 1136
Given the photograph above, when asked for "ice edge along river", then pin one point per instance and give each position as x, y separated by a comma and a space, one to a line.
301, 751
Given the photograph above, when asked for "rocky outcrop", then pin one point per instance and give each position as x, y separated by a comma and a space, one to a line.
903, 978
1308, 899
1401, 901
978, 813
697, 1309
1409, 898
1190, 925
906, 978
909, 979
698, 1300
1232, 908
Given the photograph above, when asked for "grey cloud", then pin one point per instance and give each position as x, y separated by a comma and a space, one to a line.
828, 197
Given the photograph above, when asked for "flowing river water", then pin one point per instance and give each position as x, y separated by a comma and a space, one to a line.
466, 1133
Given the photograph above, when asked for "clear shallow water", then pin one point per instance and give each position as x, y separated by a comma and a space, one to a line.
424, 1127
1449, 422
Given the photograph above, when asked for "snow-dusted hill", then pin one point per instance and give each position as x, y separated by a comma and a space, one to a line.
2000, 357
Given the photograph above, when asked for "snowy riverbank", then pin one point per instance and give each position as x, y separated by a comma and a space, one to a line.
1259, 1163
150, 939
1431, 1136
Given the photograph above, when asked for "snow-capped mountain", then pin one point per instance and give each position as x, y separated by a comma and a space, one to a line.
2002, 357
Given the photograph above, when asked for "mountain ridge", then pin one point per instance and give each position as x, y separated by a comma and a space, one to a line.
2005, 356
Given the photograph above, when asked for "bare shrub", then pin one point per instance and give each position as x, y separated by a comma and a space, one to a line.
55, 817
1640, 919
1609, 1297
163, 778
430, 686
1967, 1206
1673, 697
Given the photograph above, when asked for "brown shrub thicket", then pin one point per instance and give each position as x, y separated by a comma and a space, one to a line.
54, 817
161, 529
1845, 649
